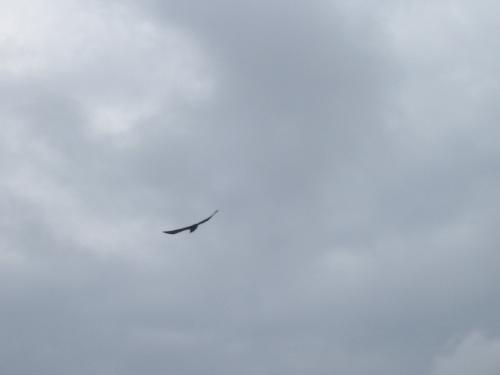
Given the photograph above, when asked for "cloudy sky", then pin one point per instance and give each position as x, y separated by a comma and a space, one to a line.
352, 148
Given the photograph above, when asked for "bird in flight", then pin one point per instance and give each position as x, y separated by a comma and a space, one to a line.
191, 228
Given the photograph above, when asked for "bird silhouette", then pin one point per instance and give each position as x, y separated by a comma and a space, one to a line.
192, 227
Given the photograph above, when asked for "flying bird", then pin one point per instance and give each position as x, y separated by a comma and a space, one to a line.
191, 228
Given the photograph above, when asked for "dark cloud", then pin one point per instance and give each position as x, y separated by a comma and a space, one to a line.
350, 153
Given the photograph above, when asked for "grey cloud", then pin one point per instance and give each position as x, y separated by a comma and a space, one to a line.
356, 231
475, 353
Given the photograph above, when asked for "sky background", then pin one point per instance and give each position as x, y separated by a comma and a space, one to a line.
352, 148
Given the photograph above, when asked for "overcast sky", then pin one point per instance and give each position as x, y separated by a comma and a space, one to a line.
352, 148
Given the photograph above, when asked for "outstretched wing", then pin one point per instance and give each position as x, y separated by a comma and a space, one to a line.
175, 231
208, 218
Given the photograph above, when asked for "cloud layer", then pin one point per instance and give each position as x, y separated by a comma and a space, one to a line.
350, 147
